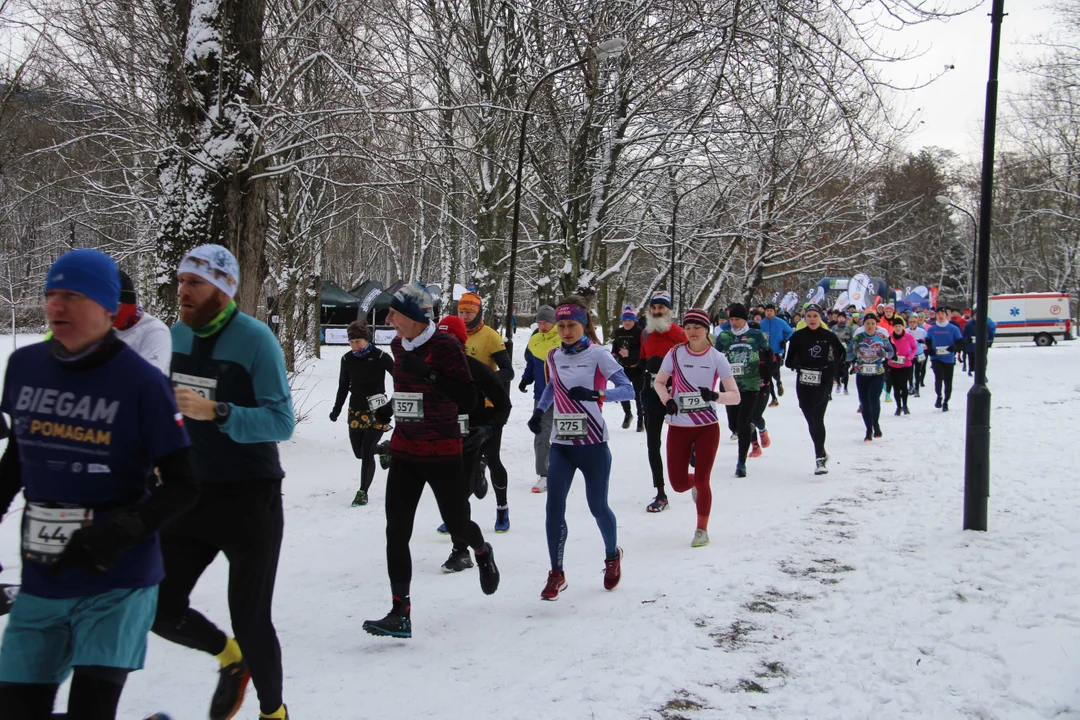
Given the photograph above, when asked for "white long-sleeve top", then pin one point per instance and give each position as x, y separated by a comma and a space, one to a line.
152, 340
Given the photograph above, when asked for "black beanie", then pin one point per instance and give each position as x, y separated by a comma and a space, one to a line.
127, 290
738, 310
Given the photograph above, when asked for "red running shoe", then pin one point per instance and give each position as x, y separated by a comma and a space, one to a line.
755, 450
556, 583
613, 571
765, 441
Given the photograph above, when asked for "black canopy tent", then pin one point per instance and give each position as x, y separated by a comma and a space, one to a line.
338, 308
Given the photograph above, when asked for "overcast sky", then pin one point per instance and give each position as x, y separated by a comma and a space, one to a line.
952, 108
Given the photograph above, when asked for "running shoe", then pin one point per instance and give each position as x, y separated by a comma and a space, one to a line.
938, 403
755, 450
774, 403
860, 409
780, 388
489, 573
944, 407
845, 391
442, 530
556, 583
626, 422
898, 411
869, 437
877, 431
229, 695
541, 484
502, 520
459, 560
740, 470
734, 436
613, 570
640, 424
765, 441
360, 499
906, 411
395, 624
888, 397
701, 538
820, 466
659, 504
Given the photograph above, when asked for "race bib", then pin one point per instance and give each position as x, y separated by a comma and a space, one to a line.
899, 359
868, 370
463, 423
809, 377
693, 402
374, 402
941, 351
737, 369
46, 531
206, 387
571, 426
409, 407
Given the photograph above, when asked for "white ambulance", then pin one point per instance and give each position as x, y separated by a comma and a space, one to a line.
1041, 317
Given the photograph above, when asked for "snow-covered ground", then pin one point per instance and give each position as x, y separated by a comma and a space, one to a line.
852, 595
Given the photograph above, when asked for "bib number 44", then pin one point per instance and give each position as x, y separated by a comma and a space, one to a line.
47, 531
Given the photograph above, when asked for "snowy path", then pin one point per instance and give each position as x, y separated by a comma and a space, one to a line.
853, 595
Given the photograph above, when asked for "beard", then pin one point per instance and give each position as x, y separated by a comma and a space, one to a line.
658, 323
200, 315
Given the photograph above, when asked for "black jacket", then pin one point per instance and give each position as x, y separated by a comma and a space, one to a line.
816, 350
363, 377
629, 339
490, 388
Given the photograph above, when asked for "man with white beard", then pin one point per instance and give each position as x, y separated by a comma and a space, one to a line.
661, 334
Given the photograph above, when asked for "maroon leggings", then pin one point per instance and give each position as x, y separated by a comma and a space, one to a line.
702, 441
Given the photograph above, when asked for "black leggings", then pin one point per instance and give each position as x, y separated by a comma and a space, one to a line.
845, 372
740, 420
244, 521
757, 421
814, 401
637, 379
94, 695
920, 375
943, 373
901, 381
499, 477
363, 447
654, 431
404, 485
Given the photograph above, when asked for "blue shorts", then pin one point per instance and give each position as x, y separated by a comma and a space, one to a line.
46, 637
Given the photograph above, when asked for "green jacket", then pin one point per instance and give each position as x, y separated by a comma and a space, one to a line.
745, 352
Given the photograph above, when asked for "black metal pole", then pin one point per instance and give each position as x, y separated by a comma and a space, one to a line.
977, 450
517, 198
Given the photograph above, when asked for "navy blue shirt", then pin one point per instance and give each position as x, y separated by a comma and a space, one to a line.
88, 438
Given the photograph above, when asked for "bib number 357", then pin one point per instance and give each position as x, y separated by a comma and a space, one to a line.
46, 531
409, 407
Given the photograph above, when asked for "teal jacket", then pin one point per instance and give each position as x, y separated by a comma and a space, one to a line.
243, 366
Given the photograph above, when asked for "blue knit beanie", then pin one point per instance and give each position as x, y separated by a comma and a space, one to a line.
89, 272
414, 301
629, 314
661, 297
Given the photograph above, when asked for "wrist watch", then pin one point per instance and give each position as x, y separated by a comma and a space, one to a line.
603, 393
221, 412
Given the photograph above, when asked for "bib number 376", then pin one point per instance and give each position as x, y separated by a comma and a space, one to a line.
46, 531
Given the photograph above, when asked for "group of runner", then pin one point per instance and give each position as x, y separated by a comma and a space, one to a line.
137, 472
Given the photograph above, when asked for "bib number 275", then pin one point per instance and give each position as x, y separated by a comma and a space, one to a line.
572, 426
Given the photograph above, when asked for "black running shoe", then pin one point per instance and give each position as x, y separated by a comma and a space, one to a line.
938, 403
944, 407
229, 695
383, 451
489, 573
459, 560
626, 422
877, 431
395, 624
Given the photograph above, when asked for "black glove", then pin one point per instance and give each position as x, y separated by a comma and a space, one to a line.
524, 386
383, 413
854, 369
335, 414
534, 421
671, 407
415, 365
583, 394
709, 395
479, 435
96, 549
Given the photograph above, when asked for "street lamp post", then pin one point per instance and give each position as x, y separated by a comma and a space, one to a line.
977, 447
974, 245
608, 49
